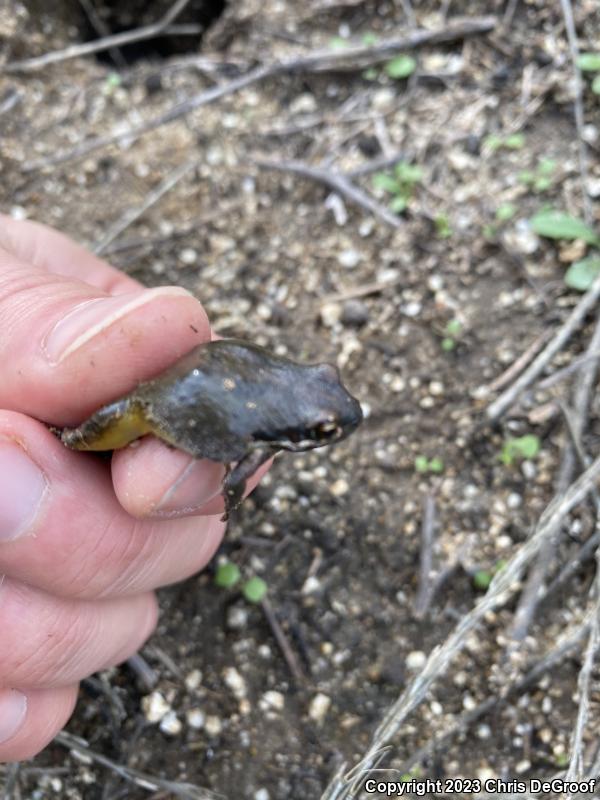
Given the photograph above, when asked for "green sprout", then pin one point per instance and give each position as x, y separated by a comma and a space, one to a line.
505, 212
452, 333
540, 178
424, 465
520, 448
514, 141
227, 575
400, 67
590, 62
483, 577
400, 185
442, 226
254, 590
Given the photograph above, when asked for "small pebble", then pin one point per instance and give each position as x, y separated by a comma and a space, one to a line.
261, 794
330, 314
349, 258
415, 660
522, 766
272, 700
188, 256
213, 725
193, 680
235, 681
155, 707
339, 487
514, 500
319, 706
237, 618
195, 718
170, 724
355, 312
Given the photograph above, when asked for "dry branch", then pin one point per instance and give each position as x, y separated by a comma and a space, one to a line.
150, 783
151, 198
562, 336
501, 587
339, 183
99, 45
352, 58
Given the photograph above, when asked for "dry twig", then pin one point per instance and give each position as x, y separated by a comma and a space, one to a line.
339, 183
290, 656
578, 108
501, 587
151, 783
151, 198
355, 57
99, 45
423, 598
567, 329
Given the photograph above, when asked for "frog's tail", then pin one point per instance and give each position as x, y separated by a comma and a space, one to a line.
111, 427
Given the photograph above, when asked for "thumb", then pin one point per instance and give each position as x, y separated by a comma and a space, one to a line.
67, 347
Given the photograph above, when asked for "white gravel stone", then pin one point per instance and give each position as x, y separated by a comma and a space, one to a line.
339, 487
349, 258
235, 682
195, 718
193, 680
237, 618
213, 725
188, 256
171, 724
319, 706
415, 660
272, 701
155, 707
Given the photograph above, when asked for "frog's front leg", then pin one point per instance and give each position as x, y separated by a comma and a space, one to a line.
234, 484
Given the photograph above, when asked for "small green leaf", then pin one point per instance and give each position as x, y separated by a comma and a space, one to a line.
370, 74
436, 465
337, 43
542, 184
369, 39
546, 166
408, 173
398, 204
596, 85
489, 231
515, 141
524, 447
562, 760
448, 344
453, 327
401, 67
255, 589
482, 579
382, 180
442, 226
113, 79
493, 142
505, 212
555, 224
526, 176
582, 274
421, 464
589, 62
227, 575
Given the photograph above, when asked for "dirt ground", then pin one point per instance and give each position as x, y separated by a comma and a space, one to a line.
421, 316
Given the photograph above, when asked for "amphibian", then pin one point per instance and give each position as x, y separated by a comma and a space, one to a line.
232, 402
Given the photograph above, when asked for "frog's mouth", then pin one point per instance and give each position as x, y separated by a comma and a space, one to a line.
319, 436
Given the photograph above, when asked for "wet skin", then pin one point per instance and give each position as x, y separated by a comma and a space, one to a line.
232, 402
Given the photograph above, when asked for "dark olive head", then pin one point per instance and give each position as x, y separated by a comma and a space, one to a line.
319, 410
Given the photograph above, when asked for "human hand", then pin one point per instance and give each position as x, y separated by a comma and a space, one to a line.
83, 543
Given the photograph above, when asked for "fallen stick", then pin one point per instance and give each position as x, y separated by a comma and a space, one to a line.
339, 183
575, 319
99, 45
353, 58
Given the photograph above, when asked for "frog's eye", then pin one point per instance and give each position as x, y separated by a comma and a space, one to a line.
327, 430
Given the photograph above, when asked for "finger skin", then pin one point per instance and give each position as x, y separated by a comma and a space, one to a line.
52, 251
82, 542
50, 641
48, 711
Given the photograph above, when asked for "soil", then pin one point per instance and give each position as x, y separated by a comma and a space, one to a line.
420, 318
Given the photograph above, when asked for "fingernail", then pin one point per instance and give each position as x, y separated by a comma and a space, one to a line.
22, 487
198, 483
13, 708
92, 317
